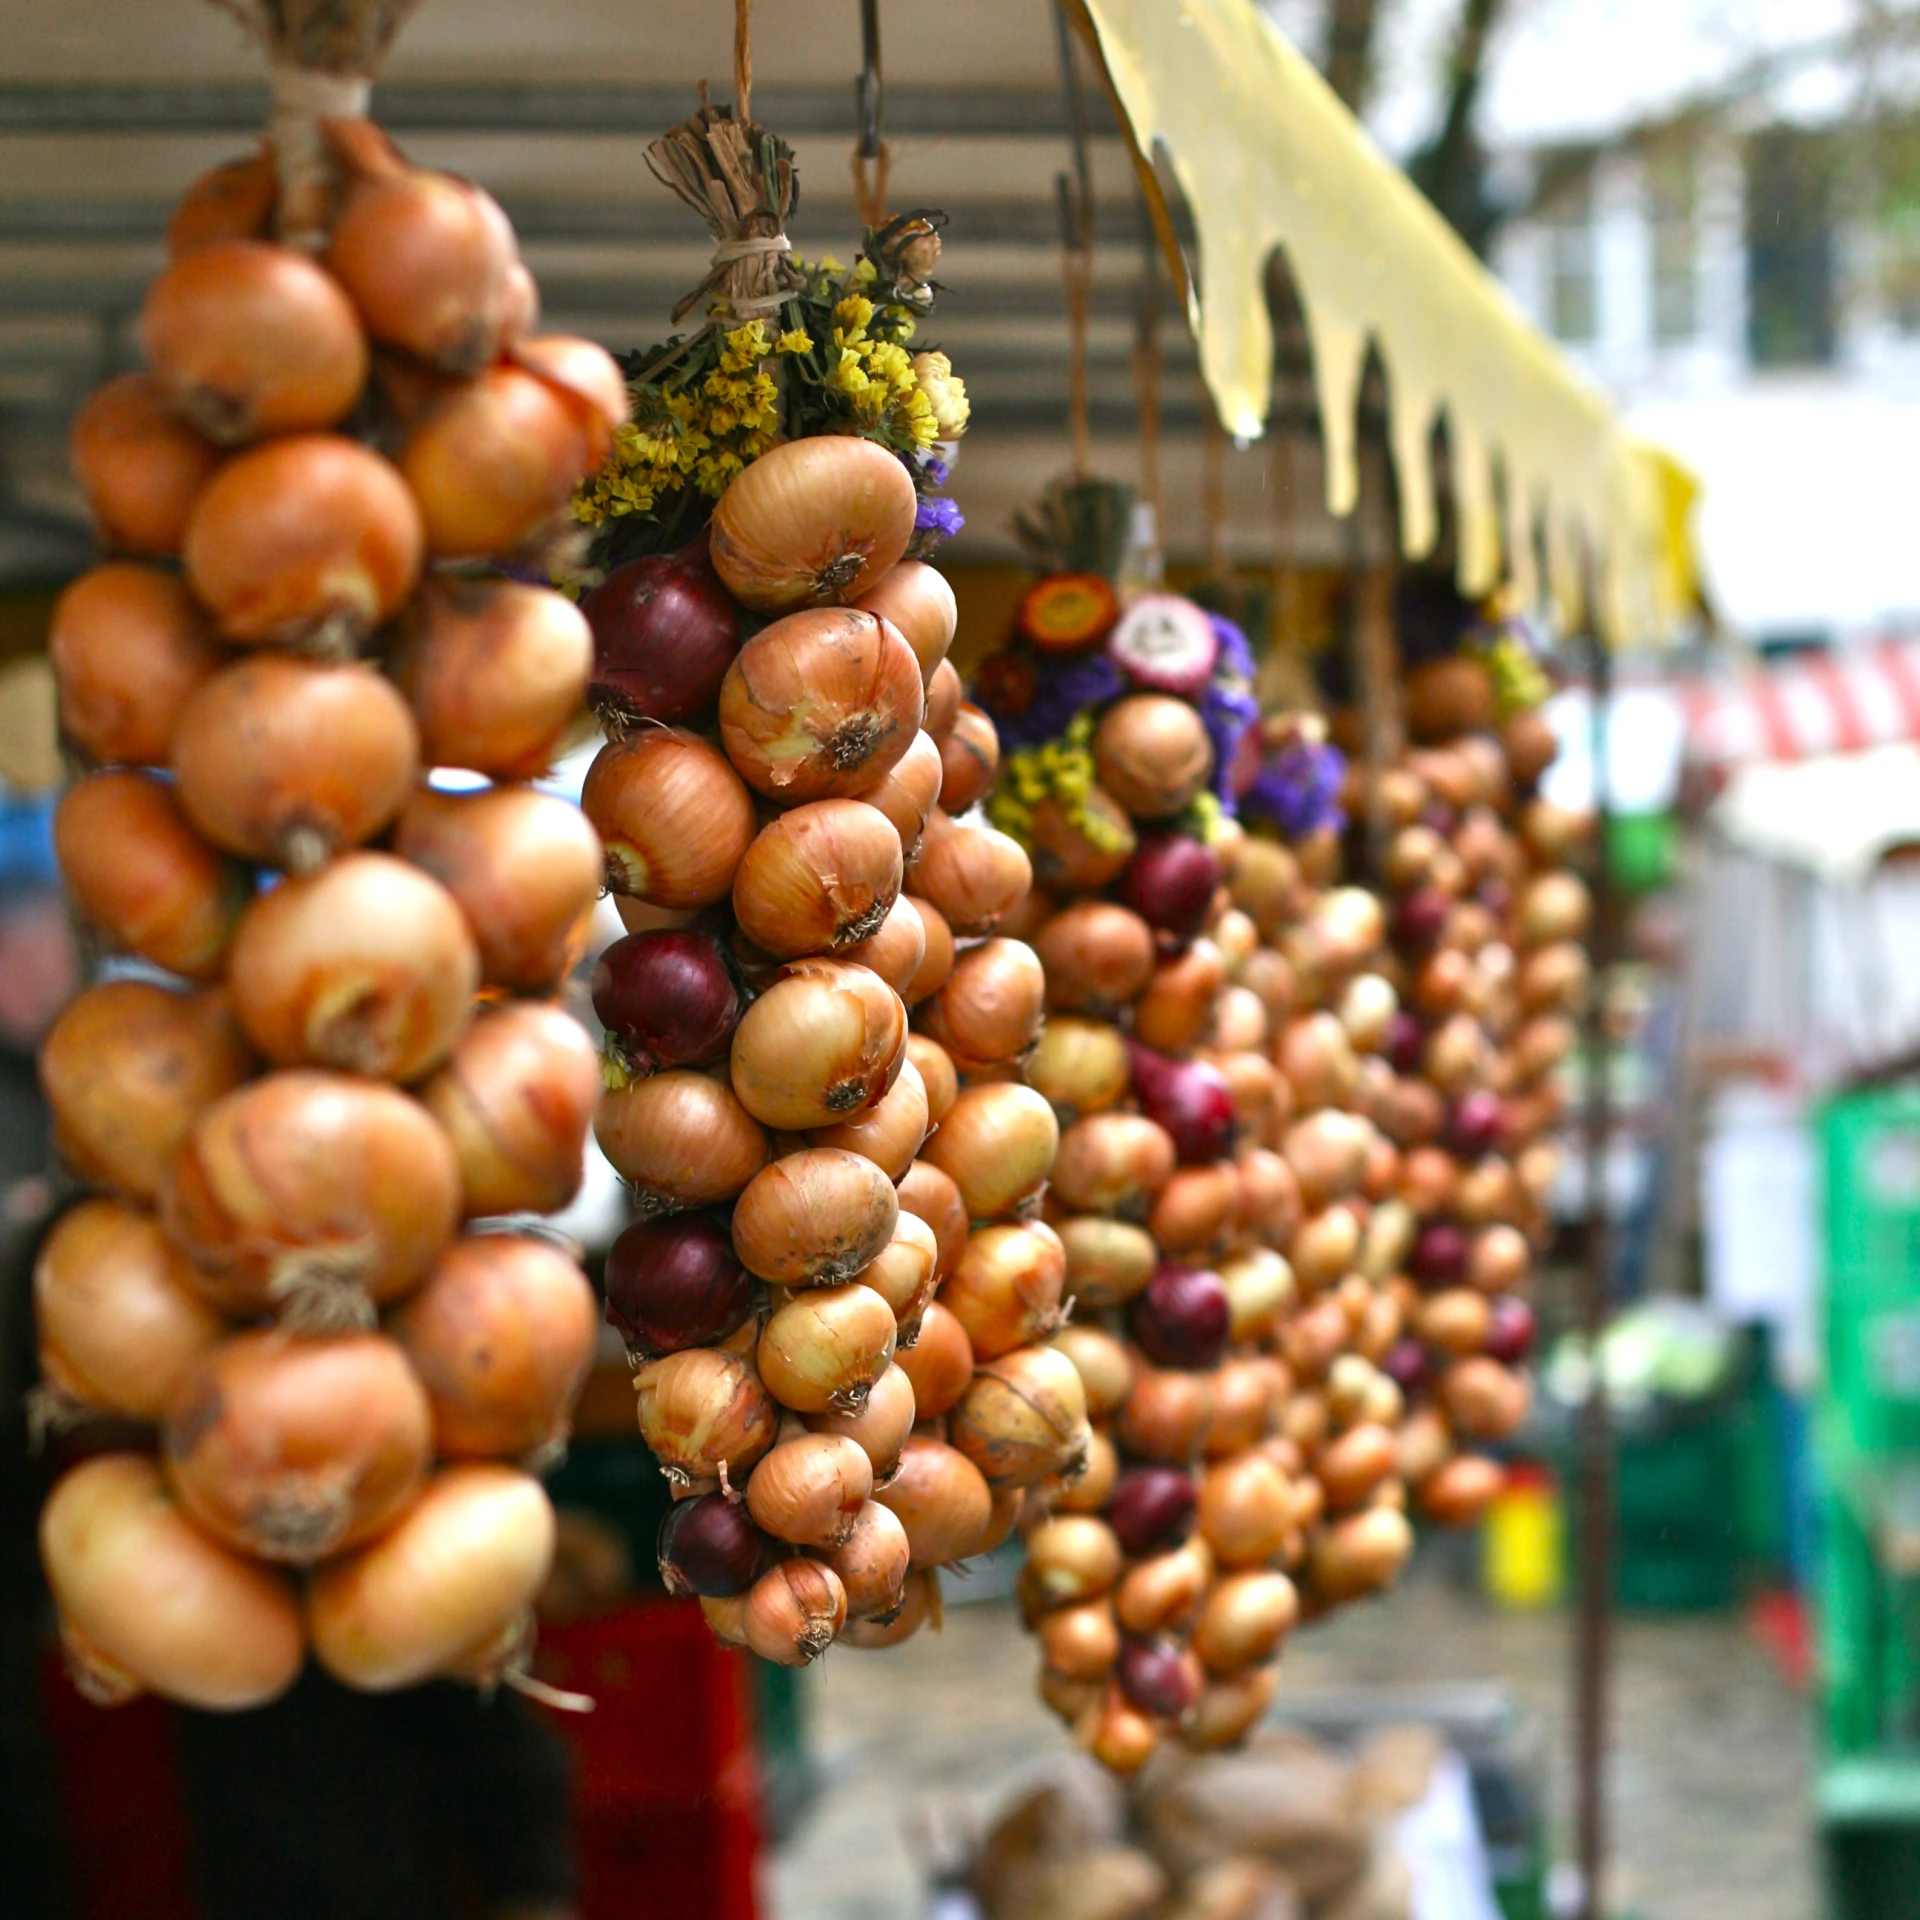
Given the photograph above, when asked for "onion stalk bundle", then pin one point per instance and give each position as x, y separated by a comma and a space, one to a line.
286, 1151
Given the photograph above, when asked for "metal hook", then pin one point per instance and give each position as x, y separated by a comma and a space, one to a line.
869, 88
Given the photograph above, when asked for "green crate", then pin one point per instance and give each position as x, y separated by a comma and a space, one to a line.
1869, 1809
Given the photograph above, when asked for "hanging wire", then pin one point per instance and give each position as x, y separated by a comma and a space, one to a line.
1148, 370
1074, 193
743, 58
1213, 493
871, 159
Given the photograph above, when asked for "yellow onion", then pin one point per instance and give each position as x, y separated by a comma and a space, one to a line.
872, 1564
819, 705
1324, 1247
825, 1347
939, 1497
998, 1145
516, 1098
681, 1138
1359, 1555
1103, 1366
127, 1068
991, 1008
1497, 1259
1264, 879
933, 971
1120, 1737
1483, 1399
1246, 1510
969, 758
1023, 1418
493, 461
1090, 1491
1456, 1320
1167, 1414
896, 949
367, 965
285, 761
128, 648
810, 1488
880, 1428
919, 601
1080, 845
1228, 1709
426, 257
312, 1194
139, 466
889, 1133
1352, 1467
939, 1364
1246, 1396
1160, 1594
1269, 1196
1260, 1288
919, 1607
1151, 753
705, 1413
234, 201
588, 378
1327, 1152
444, 1591
1318, 1060
674, 817
296, 1449
931, 1195
525, 868
974, 875
1238, 939
148, 1601
909, 790
1097, 956
1173, 1009
139, 873
311, 540
814, 1218
825, 1041
945, 696
247, 339
1245, 1619
939, 1080
1112, 1163
1196, 1209
727, 1616
1006, 1290
1080, 1642
494, 671
816, 522
1108, 1261
1458, 1492
501, 1336
118, 1319
1079, 1066
819, 879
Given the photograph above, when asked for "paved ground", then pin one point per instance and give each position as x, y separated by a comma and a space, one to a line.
1708, 1774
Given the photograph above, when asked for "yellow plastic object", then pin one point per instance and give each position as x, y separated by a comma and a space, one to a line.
1268, 158
1522, 1546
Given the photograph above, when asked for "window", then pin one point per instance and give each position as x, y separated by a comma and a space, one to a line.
1790, 264
1671, 196
1573, 304
1896, 160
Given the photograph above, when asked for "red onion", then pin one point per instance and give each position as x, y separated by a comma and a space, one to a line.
1170, 883
1181, 1318
674, 1283
1191, 1100
664, 634
1510, 1336
1406, 1042
1421, 918
667, 999
709, 1546
1478, 1125
1151, 1509
1155, 1679
1439, 1256
1440, 817
1408, 1366
1495, 895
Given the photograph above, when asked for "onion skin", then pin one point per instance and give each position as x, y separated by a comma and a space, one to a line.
681, 1138
1245, 1510
457, 1572
525, 868
872, 1564
936, 969
1170, 883
1229, 1709
1167, 1415
139, 873
368, 966
674, 817
909, 791
1079, 1066
889, 1133
991, 1008
825, 1042
809, 1490
974, 875
1112, 1164
820, 704
118, 1318
247, 339
919, 600
709, 1547
285, 761
516, 1098
997, 1144
1023, 1418
1359, 1555
1006, 1290
795, 1612
128, 648
311, 1191
234, 201
939, 1364
932, 1195
1073, 1558
1108, 1261
815, 522
941, 1500
818, 879
297, 1449
1460, 1490
704, 1412
969, 759
1151, 753
501, 1336
140, 467
673, 1284
162, 1605
938, 1078
666, 999
127, 1068
823, 1349
308, 539
665, 632
814, 1218
880, 1429
494, 671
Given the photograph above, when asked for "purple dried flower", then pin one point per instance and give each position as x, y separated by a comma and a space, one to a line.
938, 515
1298, 789
1064, 686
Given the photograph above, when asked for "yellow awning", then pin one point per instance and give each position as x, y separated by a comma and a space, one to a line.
1268, 158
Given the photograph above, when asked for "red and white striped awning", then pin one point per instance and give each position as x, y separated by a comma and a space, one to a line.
1824, 704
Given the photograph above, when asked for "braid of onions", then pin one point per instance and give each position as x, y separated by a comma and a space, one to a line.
340, 1055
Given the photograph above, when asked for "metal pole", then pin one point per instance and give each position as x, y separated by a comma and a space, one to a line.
1593, 1643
